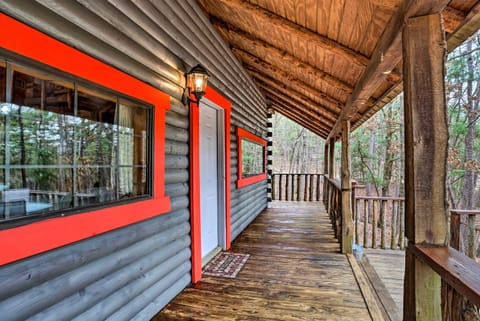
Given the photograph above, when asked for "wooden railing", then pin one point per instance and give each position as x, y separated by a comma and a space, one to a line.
297, 187
384, 225
457, 266
464, 231
379, 222
460, 282
333, 203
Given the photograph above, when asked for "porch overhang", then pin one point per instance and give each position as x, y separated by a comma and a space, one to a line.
321, 63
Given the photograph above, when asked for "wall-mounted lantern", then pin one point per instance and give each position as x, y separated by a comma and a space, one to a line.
196, 83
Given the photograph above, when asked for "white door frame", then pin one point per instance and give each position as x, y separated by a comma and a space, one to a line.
220, 172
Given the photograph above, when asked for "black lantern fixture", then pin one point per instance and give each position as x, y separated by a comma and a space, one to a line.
196, 82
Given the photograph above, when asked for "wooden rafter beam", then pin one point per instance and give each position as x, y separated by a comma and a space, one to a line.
452, 17
329, 118
292, 92
307, 112
298, 119
320, 122
300, 71
469, 25
271, 20
243, 40
295, 116
387, 55
285, 77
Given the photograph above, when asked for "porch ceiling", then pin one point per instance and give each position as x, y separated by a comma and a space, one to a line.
317, 62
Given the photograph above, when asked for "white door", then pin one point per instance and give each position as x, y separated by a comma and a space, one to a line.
209, 179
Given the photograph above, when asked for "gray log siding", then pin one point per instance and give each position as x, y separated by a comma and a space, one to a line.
247, 202
133, 272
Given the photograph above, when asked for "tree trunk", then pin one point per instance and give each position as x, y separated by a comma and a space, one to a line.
468, 187
23, 153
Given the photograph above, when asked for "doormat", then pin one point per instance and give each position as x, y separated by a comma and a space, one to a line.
226, 264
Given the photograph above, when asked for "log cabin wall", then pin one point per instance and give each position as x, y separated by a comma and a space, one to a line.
132, 272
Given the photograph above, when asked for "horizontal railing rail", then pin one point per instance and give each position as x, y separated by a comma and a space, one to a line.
333, 204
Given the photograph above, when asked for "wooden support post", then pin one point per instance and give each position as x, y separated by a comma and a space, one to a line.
426, 136
331, 158
347, 221
331, 174
325, 171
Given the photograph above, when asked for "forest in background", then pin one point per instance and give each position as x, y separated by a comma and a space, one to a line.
377, 146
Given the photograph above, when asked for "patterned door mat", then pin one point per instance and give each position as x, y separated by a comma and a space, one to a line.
226, 264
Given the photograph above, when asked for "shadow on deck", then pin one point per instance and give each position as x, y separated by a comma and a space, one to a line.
295, 272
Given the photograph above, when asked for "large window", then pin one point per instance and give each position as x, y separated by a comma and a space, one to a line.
66, 145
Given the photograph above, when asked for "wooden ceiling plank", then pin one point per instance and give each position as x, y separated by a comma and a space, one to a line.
293, 92
452, 18
387, 54
311, 18
318, 130
308, 111
335, 15
270, 19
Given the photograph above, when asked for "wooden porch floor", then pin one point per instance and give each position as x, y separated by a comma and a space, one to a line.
294, 273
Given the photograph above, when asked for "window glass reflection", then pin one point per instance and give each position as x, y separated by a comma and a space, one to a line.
252, 158
65, 146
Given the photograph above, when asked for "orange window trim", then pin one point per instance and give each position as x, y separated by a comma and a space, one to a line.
242, 182
24, 241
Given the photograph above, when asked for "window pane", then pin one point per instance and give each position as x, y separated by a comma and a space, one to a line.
37, 127
132, 149
40, 120
96, 133
252, 158
23, 201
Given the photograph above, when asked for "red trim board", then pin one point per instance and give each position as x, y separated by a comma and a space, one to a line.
242, 182
195, 214
24, 241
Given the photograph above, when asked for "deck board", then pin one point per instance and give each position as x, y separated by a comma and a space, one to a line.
294, 273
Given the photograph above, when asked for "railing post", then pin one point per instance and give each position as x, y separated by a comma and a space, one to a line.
347, 226
393, 223
311, 176
287, 176
280, 178
273, 187
383, 219
325, 174
318, 187
471, 236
